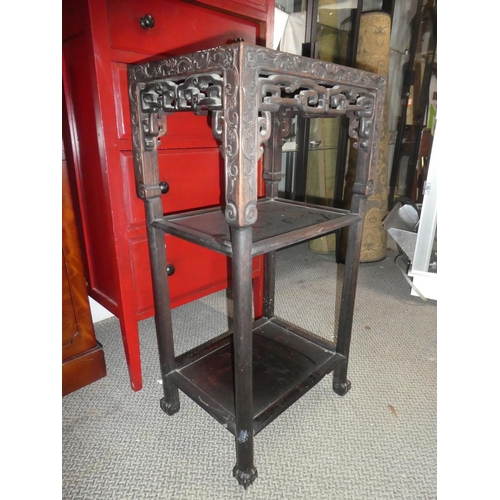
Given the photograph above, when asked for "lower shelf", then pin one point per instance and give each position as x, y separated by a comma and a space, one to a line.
287, 362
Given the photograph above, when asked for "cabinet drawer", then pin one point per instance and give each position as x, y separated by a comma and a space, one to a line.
256, 9
179, 27
194, 178
198, 271
184, 130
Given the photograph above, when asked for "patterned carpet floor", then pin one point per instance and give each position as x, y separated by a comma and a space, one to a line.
377, 442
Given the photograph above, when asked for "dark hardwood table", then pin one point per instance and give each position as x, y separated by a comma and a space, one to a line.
248, 378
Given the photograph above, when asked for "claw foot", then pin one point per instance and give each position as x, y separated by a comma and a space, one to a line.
341, 388
169, 409
245, 478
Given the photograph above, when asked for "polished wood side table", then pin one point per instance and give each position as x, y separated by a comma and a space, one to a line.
246, 379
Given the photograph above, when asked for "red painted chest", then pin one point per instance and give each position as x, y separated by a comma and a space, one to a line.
99, 39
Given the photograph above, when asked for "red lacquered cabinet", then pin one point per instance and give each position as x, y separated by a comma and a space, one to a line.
100, 37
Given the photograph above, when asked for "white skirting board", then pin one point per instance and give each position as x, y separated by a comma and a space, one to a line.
98, 312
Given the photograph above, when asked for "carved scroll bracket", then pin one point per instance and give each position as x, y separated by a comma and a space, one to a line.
197, 93
154, 126
286, 128
264, 125
360, 121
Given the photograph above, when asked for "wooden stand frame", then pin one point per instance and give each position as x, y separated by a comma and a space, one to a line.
248, 378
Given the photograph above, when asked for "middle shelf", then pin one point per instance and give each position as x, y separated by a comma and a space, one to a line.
280, 223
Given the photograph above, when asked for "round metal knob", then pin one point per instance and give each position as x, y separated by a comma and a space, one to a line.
147, 22
170, 269
164, 187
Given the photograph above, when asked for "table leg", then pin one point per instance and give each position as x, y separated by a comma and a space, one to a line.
163, 318
241, 239
341, 384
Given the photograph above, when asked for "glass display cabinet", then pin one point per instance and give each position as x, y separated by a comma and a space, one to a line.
315, 154
417, 110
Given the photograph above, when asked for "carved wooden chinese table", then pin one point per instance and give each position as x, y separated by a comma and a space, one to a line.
246, 379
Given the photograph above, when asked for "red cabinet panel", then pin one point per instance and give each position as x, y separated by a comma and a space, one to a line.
84, 159
194, 177
198, 272
257, 9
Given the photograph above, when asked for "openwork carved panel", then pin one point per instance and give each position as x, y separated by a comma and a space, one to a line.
243, 86
196, 93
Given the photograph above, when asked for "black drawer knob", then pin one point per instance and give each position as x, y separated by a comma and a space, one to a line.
170, 269
164, 187
147, 22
